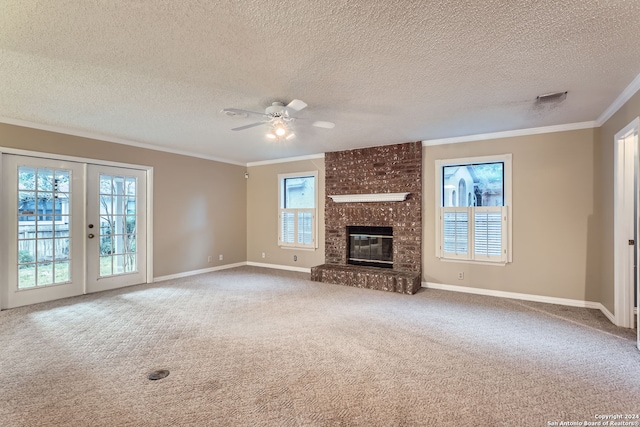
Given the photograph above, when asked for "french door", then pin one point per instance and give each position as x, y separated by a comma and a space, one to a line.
42, 223
116, 227
69, 228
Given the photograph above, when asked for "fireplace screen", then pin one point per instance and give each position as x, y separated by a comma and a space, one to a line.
370, 246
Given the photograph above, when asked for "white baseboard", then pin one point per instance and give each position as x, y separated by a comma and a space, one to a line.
607, 313
224, 267
524, 297
279, 267
195, 272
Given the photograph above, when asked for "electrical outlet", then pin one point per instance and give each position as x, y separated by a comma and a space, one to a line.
295, 257
209, 258
461, 275
220, 257
264, 255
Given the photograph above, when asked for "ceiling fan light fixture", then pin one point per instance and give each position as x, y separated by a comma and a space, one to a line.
278, 117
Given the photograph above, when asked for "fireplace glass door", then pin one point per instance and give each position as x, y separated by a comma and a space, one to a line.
370, 246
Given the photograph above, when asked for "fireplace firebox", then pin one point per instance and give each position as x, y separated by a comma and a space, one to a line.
370, 246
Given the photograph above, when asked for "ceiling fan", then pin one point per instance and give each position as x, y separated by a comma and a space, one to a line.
279, 116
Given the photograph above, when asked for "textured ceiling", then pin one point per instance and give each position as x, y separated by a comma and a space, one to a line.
386, 72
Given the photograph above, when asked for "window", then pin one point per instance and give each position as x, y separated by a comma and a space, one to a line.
298, 194
473, 209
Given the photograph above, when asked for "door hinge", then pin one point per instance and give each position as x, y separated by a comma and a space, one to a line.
632, 242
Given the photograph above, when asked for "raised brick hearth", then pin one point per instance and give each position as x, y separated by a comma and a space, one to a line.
385, 169
367, 277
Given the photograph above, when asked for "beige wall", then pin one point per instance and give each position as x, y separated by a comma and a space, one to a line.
262, 215
556, 232
199, 205
204, 207
605, 137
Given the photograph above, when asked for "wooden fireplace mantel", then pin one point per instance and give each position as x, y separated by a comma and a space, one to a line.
376, 197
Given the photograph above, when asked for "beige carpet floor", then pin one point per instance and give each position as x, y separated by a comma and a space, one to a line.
258, 347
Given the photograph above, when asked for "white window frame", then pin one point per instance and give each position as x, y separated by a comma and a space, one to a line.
507, 212
314, 211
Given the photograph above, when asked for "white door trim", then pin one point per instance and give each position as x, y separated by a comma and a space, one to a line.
3, 238
54, 156
623, 218
149, 225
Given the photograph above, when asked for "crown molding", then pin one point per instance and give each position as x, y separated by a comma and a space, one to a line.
626, 94
509, 133
99, 137
286, 160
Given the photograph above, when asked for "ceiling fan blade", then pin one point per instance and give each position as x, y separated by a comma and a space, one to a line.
241, 113
325, 125
297, 105
251, 125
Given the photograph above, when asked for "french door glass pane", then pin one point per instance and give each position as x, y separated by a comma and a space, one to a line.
117, 231
118, 264
44, 250
62, 249
105, 184
130, 186
26, 251
45, 274
105, 266
62, 227
62, 182
130, 264
105, 205
26, 276
26, 178
118, 247
43, 220
62, 274
45, 180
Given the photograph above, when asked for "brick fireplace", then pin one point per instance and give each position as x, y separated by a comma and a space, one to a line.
373, 174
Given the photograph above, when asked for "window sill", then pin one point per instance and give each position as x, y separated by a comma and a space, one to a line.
297, 248
470, 261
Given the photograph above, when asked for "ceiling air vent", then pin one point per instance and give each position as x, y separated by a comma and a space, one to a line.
551, 97
234, 114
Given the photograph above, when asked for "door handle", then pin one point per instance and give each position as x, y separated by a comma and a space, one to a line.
91, 236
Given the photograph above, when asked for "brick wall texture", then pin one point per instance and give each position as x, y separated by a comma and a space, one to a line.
384, 169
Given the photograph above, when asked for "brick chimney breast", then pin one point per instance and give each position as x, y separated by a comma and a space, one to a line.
385, 169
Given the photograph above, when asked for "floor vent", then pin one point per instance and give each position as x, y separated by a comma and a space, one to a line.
158, 375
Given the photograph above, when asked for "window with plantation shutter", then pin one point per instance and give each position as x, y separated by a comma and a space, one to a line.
305, 227
474, 226
488, 233
455, 224
287, 227
297, 211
